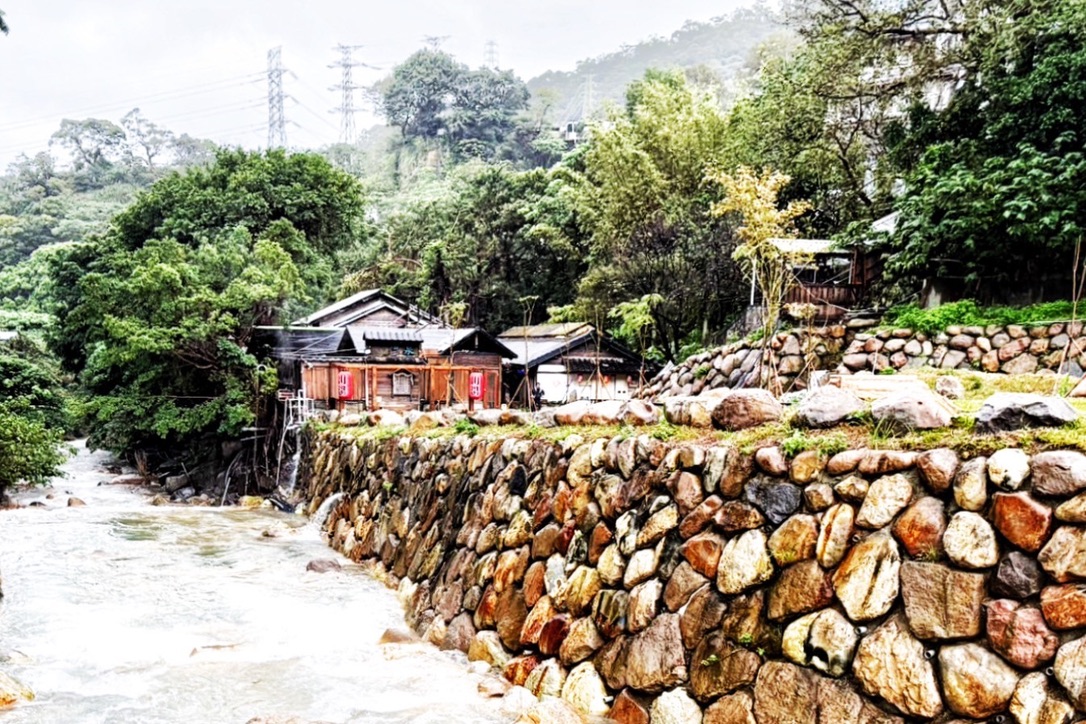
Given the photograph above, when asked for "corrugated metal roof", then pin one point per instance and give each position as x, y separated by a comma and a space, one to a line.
806, 246
388, 334
564, 330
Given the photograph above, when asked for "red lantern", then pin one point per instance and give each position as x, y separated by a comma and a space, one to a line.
344, 385
476, 386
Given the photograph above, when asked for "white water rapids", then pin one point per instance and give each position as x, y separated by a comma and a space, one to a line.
120, 611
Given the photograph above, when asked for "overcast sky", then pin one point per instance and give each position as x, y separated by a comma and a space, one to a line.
199, 66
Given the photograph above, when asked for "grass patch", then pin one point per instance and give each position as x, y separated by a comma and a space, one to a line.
968, 313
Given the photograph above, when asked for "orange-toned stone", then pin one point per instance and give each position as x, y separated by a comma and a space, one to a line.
703, 553
1022, 520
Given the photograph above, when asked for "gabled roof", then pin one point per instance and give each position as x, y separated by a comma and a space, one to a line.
358, 306
443, 340
534, 348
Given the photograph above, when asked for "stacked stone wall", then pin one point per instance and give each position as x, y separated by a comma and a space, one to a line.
1010, 349
649, 581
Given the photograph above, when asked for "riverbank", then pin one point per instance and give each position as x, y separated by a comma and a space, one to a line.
124, 611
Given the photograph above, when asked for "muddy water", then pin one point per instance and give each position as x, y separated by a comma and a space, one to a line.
120, 611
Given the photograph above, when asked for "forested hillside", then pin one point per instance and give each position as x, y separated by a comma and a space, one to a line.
724, 50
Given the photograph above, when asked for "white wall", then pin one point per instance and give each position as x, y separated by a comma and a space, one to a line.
558, 387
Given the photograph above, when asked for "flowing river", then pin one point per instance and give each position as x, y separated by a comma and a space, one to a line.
121, 611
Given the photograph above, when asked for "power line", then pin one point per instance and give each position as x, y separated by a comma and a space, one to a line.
277, 126
347, 87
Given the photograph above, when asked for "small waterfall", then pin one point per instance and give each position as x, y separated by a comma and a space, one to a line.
321, 516
291, 472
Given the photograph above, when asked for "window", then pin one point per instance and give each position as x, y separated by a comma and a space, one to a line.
402, 383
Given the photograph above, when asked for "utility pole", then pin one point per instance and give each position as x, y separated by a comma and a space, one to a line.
277, 122
490, 58
346, 88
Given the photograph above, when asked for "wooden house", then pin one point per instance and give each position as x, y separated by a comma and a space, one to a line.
373, 350
572, 361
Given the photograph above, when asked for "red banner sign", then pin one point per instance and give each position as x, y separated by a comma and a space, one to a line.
476, 386
344, 385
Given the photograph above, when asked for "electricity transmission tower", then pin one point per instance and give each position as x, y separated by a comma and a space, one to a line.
490, 58
346, 87
277, 122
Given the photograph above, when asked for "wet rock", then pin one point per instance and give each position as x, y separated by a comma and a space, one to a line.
853, 489
1008, 468
818, 496
800, 588
1017, 576
836, 535
487, 647
828, 406
719, 666
971, 484
698, 518
1059, 473
734, 516
542, 612
658, 525
1023, 521
776, 499
937, 468
746, 408
890, 664
582, 641
609, 612
911, 410
824, 640
13, 692
806, 466
1070, 663
703, 613
628, 709
1006, 411
737, 708
1034, 702
323, 565
683, 583
794, 540
611, 566
584, 690
703, 552
643, 603
886, 497
845, 462
1064, 556
866, 582
460, 633
881, 462
641, 567
1019, 634
1073, 510
675, 707
920, 529
550, 711
74, 502
941, 602
771, 460
744, 563
519, 668
546, 680
976, 682
655, 658
1064, 607
970, 542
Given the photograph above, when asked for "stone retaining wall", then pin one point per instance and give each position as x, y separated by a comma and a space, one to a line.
643, 580
1011, 349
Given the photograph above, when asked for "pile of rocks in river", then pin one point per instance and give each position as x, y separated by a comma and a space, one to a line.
640, 580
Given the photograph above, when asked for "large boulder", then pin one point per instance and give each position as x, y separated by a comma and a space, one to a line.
746, 408
827, 406
912, 410
1006, 411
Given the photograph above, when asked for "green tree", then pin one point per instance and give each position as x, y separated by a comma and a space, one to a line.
997, 192
156, 314
642, 194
